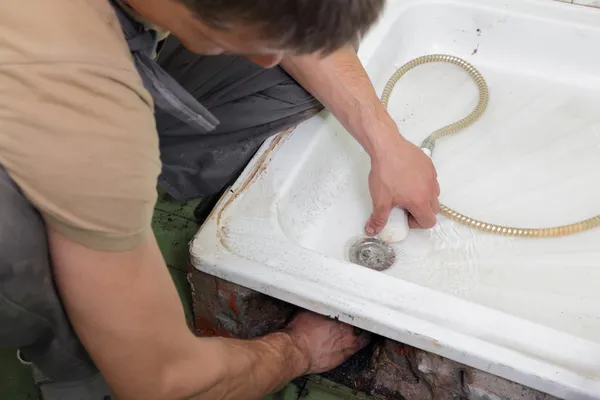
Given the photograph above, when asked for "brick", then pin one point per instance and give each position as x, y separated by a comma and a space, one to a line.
386, 370
222, 308
358, 373
395, 375
485, 386
444, 376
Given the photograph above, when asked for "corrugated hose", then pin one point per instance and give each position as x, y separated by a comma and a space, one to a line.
428, 146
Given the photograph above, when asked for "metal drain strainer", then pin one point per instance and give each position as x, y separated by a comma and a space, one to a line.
372, 253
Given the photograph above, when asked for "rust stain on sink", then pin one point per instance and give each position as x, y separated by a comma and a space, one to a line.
259, 167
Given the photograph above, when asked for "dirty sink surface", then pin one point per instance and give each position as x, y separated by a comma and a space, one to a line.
524, 309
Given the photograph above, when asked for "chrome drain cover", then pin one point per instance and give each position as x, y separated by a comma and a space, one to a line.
372, 253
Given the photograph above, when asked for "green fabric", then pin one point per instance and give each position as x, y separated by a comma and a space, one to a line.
16, 381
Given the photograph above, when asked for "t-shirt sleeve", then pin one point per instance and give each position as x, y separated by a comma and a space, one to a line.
81, 143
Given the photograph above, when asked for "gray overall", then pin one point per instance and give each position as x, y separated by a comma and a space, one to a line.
212, 114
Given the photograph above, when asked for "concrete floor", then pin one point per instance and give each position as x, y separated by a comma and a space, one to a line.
174, 225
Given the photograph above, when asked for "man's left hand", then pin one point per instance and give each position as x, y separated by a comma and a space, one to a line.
402, 175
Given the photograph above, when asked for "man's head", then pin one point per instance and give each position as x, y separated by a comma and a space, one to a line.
263, 30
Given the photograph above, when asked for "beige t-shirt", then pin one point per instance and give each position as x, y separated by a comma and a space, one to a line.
77, 129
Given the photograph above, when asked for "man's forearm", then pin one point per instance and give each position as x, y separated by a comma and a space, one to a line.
401, 174
250, 369
125, 309
340, 82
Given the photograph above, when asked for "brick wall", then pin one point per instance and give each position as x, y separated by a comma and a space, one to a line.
385, 370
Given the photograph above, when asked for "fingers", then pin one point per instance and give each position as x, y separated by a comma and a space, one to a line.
427, 219
424, 214
360, 340
324, 343
363, 340
380, 215
435, 205
412, 222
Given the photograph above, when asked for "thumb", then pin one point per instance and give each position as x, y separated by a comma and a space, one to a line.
382, 207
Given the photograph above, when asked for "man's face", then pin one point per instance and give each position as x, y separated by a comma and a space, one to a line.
200, 38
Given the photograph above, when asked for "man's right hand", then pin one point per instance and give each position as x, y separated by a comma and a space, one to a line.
323, 342
139, 339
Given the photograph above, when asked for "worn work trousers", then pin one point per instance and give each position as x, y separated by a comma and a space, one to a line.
252, 103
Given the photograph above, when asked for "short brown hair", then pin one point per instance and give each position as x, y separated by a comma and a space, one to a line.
304, 26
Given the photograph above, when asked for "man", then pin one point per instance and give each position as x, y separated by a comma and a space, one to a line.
79, 161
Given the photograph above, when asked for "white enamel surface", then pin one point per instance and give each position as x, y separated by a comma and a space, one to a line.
525, 309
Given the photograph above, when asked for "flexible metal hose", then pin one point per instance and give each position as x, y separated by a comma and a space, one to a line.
428, 146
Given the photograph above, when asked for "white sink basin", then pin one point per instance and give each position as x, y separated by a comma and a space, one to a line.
525, 309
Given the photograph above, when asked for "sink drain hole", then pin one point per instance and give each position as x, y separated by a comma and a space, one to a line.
372, 253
